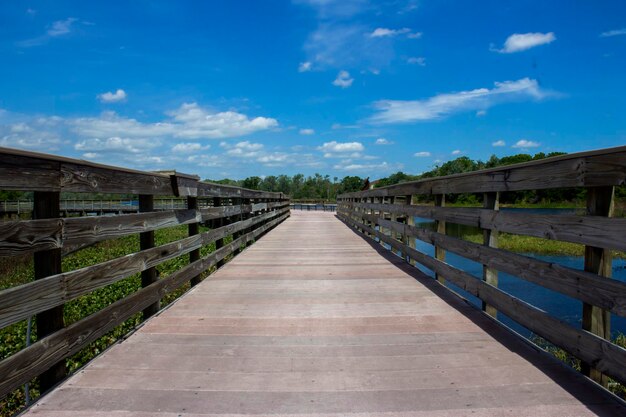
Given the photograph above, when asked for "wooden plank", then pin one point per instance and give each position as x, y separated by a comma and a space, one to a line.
46, 263
207, 189
491, 201
595, 231
33, 360
23, 237
28, 173
92, 179
581, 285
217, 201
585, 169
600, 202
19, 303
146, 241
607, 357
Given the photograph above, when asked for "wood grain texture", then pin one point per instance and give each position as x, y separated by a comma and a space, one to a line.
587, 230
605, 167
35, 359
605, 356
326, 326
19, 303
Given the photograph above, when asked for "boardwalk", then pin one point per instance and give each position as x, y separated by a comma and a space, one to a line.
313, 320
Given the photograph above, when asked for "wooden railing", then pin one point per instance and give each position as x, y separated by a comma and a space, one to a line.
387, 215
233, 213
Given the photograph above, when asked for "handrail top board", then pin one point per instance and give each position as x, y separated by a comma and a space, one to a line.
578, 175
34, 171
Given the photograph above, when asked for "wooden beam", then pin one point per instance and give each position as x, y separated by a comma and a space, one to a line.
193, 229
146, 241
491, 201
47, 263
600, 202
440, 226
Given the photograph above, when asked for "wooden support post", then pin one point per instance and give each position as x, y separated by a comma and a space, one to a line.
47, 205
217, 202
440, 253
600, 202
409, 240
146, 241
491, 201
194, 229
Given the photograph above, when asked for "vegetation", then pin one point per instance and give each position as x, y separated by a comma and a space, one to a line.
20, 271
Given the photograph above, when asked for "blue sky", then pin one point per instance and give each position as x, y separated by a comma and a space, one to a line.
351, 87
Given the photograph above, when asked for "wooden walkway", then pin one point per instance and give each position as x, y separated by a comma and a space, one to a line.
314, 321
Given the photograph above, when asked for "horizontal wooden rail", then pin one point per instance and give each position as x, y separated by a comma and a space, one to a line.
218, 207
585, 169
388, 215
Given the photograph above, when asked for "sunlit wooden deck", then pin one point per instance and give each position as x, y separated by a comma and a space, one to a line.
313, 320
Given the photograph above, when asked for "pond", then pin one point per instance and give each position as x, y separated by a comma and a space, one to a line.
558, 305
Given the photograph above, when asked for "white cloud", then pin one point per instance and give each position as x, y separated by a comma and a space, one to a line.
307, 132
456, 152
422, 154
109, 97
61, 27
441, 105
375, 169
189, 147
417, 60
383, 141
614, 32
481, 113
522, 41
384, 32
117, 145
343, 79
91, 155
525, 144
304, 66
340, 147
498, 143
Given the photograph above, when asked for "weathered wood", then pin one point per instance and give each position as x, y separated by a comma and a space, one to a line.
217, 201
146, 241
491, 201
587, 230
22, 237
193, 229
581, 285
79, 177
207, 189
585, 169
31, 361
19, 303
440, 226
28, 173
46, 263
606, 356
600, 202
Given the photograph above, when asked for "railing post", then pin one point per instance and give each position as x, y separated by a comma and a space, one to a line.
406, 239
146, 241
217, 202
440, 253
47, 205
600, 202
193, 229
491, 201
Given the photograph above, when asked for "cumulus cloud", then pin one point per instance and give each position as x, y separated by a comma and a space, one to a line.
307, 132
374, 169
304, 66
189, 147
518, 42
110, 97
525, 144
422, 154
614, 32
457, 152
341, 147
383, 141
117, 145
441, 105
343, 79
498, 143
384, 32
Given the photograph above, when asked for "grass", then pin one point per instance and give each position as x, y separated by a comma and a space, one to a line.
16, 271
613, 386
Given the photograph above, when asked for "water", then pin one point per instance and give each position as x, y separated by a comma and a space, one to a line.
556, 304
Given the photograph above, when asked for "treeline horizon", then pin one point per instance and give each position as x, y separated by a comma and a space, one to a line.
324, 188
